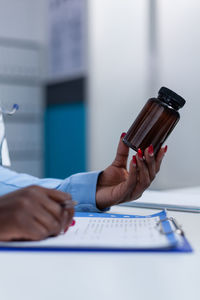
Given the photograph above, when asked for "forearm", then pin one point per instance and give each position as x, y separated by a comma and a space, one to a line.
11, 181
82, 186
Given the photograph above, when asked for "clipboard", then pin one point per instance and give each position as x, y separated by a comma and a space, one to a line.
164, 228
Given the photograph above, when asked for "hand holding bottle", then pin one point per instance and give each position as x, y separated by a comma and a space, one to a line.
117, 185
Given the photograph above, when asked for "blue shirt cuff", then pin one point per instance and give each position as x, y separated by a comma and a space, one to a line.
82, 188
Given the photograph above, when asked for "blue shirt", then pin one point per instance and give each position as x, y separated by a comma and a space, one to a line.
82, 186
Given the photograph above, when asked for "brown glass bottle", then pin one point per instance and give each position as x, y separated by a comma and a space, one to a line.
155, 122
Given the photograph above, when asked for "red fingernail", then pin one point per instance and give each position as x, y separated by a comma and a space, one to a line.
123, 135
134, 160
73, 223
165, 149
150, 150
140, 154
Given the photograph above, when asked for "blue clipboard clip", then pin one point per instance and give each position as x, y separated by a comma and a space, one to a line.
177, 227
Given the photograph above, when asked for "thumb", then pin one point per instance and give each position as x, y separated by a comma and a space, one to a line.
121, 158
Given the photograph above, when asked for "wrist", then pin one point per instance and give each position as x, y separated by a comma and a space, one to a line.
104, 199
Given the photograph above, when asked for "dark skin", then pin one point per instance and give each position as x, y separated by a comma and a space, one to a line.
34, 213
117, 185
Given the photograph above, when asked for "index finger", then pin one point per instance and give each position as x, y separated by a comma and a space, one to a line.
58, 196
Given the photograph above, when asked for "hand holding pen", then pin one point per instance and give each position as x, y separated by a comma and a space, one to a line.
35, 213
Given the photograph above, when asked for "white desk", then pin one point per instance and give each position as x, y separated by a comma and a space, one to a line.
138, 276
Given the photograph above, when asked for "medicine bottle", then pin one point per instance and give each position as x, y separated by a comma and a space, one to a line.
155, 122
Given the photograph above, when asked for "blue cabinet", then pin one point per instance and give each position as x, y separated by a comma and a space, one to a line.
65, 138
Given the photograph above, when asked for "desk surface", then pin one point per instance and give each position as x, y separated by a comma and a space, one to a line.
102, 276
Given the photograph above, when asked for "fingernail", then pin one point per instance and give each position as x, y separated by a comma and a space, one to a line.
140, 154
165, 149
150, 150
134, 160
73, 223
123, 135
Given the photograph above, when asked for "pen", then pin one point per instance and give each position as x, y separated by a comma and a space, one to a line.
68, 204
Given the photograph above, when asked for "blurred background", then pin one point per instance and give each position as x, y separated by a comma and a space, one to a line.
81, 70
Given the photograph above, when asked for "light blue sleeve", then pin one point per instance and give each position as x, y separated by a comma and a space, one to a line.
82, 186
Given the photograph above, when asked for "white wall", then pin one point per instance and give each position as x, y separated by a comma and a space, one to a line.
119, 86
21, 70
119, 70
117, 73
179, 46
23, 19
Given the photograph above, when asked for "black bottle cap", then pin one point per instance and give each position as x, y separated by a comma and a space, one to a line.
171, 98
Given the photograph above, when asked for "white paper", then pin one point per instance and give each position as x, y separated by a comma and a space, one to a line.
90, 232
